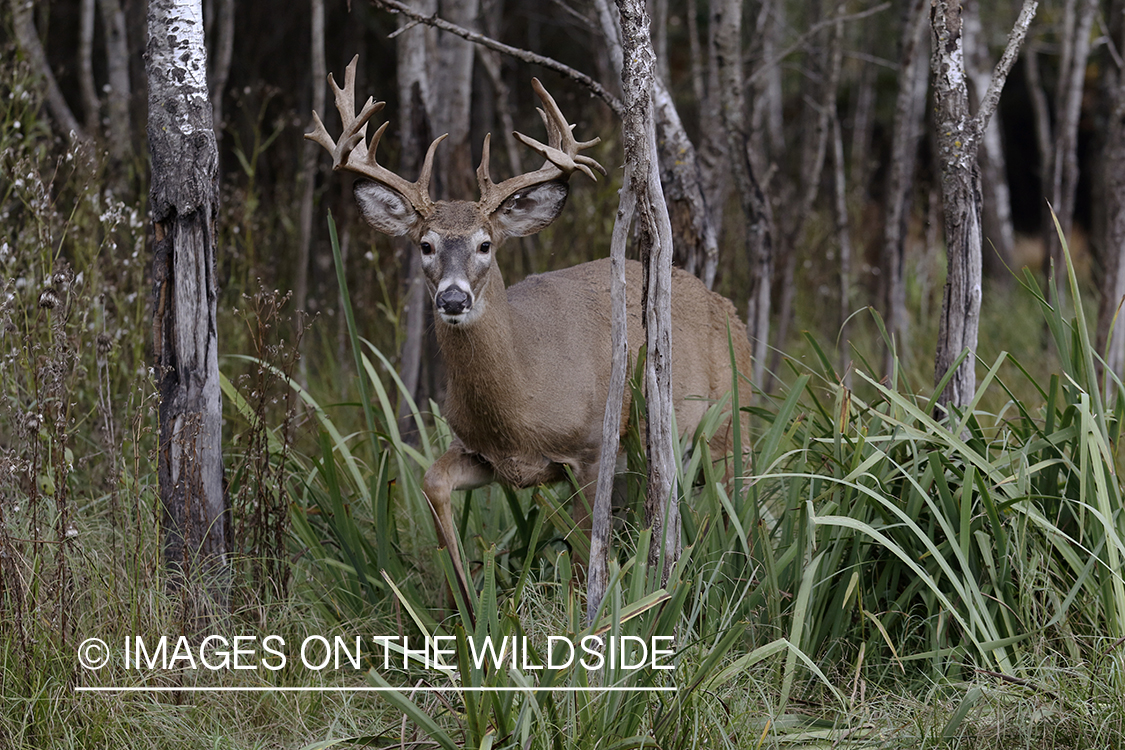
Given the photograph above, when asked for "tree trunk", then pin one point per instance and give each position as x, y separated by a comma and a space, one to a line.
999, 234
958, 138
453, 88
184, 201
1079, 19
222, 52
821, 110
90, 100
411, 47
309, 161
1113, 188
726, 15
844, 240
696, 238
601, 521
120, 130
654, 240
910, 105
768, 102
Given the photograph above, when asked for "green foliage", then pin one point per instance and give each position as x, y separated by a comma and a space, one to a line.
868, 541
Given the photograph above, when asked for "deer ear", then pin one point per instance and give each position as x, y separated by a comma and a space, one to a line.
385, 209
531, 210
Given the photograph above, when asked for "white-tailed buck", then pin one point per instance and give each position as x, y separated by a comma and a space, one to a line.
528, 365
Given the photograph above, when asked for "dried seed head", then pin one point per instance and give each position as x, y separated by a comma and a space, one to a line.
49, 299
104, 344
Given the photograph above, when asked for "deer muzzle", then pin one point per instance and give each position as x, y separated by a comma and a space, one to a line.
453, 301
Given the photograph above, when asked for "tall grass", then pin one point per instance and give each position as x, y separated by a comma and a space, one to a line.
868, 543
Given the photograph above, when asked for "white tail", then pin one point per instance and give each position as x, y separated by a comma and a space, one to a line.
528, 366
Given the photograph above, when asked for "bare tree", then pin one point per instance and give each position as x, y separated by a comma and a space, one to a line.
86, 85
998, 229
959, 135
1078, 20
412, 46
452, 78
726, 16
654, 240
1111, 329
184, 201
822, 108
221, 55
308, 157
120, 130
910, 106
696, 242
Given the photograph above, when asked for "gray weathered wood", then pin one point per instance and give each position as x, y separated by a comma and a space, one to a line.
958, 138
1063, 175
601, 521
726, 15
910, 104
654, 239
184, 204
1112, 179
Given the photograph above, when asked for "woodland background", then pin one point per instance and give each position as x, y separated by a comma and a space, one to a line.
878, 578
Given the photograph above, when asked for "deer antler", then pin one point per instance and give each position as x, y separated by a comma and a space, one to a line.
561, 152
352, 153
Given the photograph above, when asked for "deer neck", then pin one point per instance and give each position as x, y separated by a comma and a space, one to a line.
485, 370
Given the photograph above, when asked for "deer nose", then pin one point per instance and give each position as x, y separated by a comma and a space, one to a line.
453, 301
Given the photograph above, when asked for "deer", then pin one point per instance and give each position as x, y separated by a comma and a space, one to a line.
528, 366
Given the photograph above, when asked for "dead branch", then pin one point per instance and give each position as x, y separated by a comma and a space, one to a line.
394, 6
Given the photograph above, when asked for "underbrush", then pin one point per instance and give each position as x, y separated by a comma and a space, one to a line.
876, 576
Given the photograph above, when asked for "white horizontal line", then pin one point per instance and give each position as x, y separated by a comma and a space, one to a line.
335, 689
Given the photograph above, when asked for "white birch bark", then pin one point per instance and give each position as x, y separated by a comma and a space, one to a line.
184, 203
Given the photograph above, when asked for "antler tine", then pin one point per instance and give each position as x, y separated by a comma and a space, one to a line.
560, 151
352, 153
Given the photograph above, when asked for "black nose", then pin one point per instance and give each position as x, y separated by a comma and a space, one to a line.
453, 301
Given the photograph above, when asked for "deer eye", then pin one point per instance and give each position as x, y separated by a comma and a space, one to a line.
427, 248
484, 248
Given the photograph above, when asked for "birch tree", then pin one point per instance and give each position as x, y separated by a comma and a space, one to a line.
1078, 21
1111, 329
726, 17
958, 137
184, 204
910, 104
654, 240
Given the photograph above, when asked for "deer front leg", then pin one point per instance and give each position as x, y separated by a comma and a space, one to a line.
456, 469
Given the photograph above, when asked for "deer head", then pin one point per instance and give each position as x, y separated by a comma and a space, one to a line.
457, 239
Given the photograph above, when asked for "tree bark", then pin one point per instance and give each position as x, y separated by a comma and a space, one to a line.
844, 241
309, 153
601, 521
411, 48
453, 87
726, 15
1112, 178
184, 201
910, 104
696, 243
223, 51
958, 138
997, 220
90, 100
654, 240
822, 108
1079, 19
120, 130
